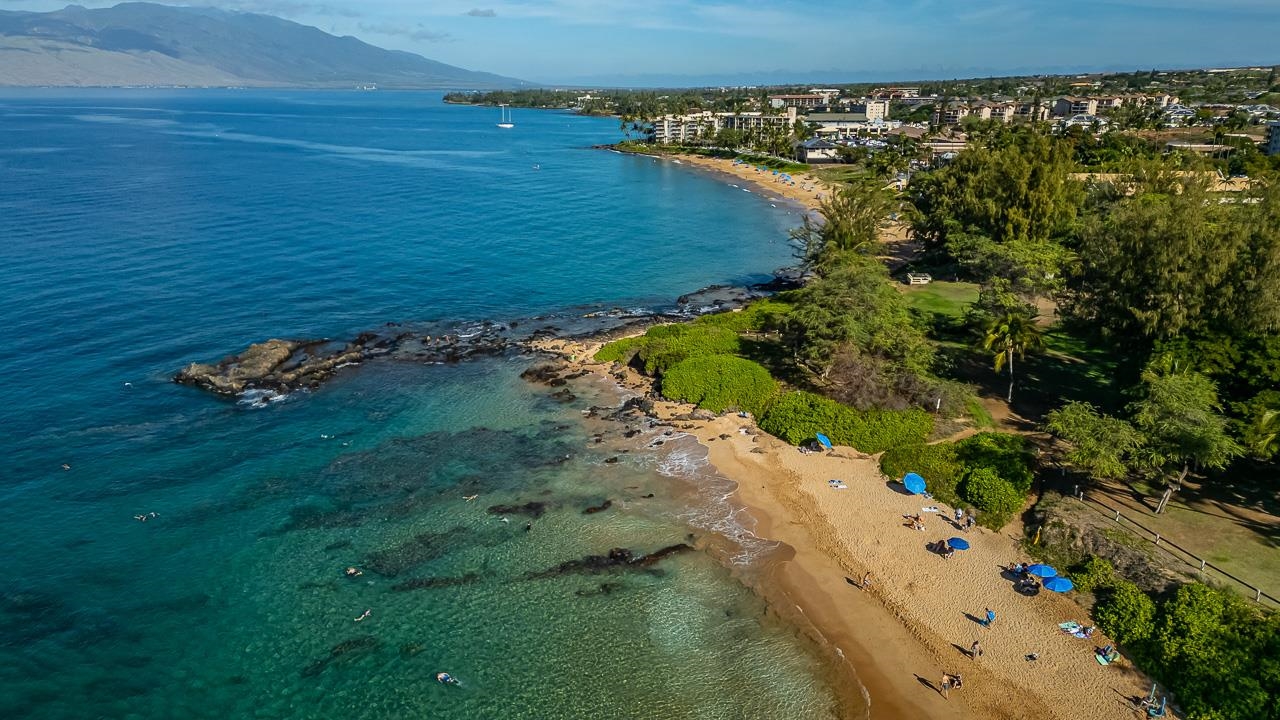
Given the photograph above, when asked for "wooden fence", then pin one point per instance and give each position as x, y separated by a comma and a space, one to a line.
1204, 569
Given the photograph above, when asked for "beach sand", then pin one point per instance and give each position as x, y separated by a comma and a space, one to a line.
917, 618
806, 192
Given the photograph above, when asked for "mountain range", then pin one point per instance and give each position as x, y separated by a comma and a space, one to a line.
148, 44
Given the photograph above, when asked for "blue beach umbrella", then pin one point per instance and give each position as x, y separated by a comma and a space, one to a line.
1043, 571
826, 441
958, 543
1058, 584
914, 483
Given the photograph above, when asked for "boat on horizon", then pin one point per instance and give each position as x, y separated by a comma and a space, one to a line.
505, 118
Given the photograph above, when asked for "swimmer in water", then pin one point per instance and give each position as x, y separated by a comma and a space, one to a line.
363, 615
353, 572
469, 498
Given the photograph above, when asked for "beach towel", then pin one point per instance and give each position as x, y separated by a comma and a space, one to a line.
1107, 659
1070, 626
931, 508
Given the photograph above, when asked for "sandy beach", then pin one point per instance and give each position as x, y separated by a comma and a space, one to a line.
806, 192
917, 619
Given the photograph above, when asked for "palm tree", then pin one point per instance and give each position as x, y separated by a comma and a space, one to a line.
1012, 332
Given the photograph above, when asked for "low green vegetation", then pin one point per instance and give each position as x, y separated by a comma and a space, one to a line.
1218, 655
992, 472
799, 416
719, 383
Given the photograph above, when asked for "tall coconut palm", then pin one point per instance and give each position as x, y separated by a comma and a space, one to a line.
1012, 332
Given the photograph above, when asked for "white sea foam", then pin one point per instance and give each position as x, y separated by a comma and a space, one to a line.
260, 398
682, 457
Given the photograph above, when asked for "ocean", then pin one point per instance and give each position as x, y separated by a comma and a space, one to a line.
141, 230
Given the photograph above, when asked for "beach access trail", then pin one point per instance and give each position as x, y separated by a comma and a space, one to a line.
917, 619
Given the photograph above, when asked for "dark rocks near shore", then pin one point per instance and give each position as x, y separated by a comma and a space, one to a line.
598, 508
282, 366
533, 509
617, 559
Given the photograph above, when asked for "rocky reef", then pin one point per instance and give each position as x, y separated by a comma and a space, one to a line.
282, 366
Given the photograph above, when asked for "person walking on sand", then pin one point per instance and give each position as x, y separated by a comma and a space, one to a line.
969, 521
946, 684
959, 517
866, 580
975, 650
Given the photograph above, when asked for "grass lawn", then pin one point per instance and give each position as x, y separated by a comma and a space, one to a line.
939, 297
838, 174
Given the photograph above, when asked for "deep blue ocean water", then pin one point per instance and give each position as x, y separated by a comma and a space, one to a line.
142, 230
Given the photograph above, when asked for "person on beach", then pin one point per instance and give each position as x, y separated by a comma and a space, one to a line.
975, 650
989, 617
959, 517
866, 580
969, 521
946, 683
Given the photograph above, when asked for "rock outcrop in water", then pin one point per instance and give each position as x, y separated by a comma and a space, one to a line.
282, 366
353, 647
617, 559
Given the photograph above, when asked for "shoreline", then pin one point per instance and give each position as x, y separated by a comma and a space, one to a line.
914, 622
764, 186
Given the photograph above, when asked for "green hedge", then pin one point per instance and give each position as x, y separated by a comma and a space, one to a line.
758, 316
1094, 574
619, 350
947, 468
665, 345
1011, 456
996, 497
1126, 613
720, 382
937, 464
799, 416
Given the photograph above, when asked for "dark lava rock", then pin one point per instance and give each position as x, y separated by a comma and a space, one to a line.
545, 373
533, 509
355, 646
598, 508
618, 559
563, 395
611, 461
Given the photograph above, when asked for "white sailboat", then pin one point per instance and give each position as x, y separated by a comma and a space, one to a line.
506, 118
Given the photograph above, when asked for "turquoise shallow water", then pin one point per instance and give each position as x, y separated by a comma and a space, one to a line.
144, 230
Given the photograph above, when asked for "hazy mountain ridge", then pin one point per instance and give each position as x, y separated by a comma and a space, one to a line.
148, 44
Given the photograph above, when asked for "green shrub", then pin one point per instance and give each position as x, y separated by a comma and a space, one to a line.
1094, 574
720, 382
1011, 456
666, 345
756, 317
935, 463
1126, 613
619, 350
993, 495
799, 416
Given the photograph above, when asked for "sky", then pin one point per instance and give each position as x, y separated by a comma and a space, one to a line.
698, 42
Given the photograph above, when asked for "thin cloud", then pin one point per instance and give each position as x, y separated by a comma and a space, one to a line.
477, 12
413, 32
